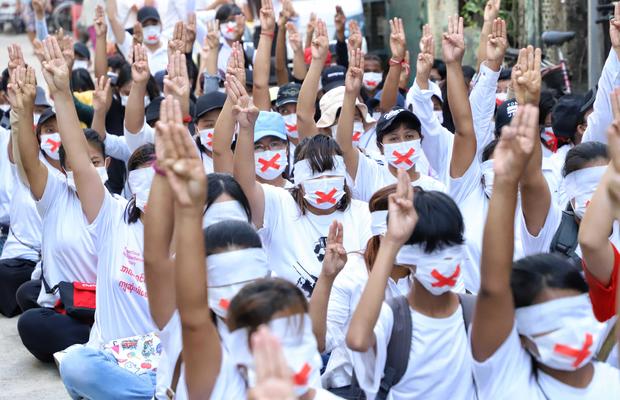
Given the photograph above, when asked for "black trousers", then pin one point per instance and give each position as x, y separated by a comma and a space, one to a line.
43, 332
27, 295
13, 273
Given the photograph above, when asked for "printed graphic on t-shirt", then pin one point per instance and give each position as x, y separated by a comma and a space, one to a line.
319, 248
130, 281
306, 280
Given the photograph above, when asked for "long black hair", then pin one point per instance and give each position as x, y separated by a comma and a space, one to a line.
219, 184
144, 155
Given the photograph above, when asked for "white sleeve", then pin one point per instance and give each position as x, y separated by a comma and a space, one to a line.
366, 178
461, 188
274, 208
55, 183
506, 372
103, 227
482, 101
437, 141
125, 47
369, 365
542, 242
116, 147
338, 313
601, 116
144, 136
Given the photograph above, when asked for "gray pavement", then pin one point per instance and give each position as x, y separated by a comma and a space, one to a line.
21, 375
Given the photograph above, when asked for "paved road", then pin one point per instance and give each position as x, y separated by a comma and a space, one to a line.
21, 375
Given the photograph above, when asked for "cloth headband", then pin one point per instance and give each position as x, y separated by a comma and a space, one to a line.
303, 171
414, 254
379, 222
551, 315
583, 181
237, 266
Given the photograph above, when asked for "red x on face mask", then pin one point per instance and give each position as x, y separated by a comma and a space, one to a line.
578, 354
54, 145
326, 197
403, 158
446, 280
290, 128
301, 377
272, 163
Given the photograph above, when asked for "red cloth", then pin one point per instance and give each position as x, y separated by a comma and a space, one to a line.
604, 298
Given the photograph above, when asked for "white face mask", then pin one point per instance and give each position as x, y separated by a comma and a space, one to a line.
324, 193
224, 211
270, 164
501, 97
488, 175
147, 101
372, 80
206, 138
124, 100
35, 118
229, 30
151, 34
439, 271
77, 64
564, 330
358, 131
403, 155
298, 346
439, 115
50, 144
290, 122
101, 171
140, 181
6, 107
334, 129
580, 187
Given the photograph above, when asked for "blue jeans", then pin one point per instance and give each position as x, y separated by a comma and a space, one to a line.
94, 374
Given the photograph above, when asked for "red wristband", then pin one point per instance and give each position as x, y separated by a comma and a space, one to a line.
268, 34
394, 61
158, 170
187, 119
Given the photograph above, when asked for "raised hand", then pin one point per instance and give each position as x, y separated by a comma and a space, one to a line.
22, 89
516, 145
274, 378
55, 69
526, 77
355, 73
613, 144
402, 216
190, 32
335, 253
491, 10
614, 29
138, 34
339, 22
240, 20
267, 17
426, 57
102, 96
236, 63
181, 161
176, 83
39, 8
288, 12
101, 28
16, 58
212, 39
355, 35
320, 43
177, 43
398, 40
140, 72
497, 44
453, 41
405, 73
66, 47
294, 37
244, 111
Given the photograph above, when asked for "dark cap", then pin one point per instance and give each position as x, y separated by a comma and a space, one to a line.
588, 100
40, 98
288, 93
505, 74
152, 110
566, 116
396, 115
209, 102
546, 104
81, 49
504, 114
46, 115
333, 77
146, 13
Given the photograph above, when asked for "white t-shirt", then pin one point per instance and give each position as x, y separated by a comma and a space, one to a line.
296, 243
6, 178
68, 248
158, 59
440, 362
122, 300
24, 240
508, 374
371, 176
207, 162
343, 301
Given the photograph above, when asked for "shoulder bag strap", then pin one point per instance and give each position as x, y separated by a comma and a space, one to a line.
176, 375
608, 344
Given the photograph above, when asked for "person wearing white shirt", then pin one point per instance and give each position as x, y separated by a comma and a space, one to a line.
6, 188
534, 334
207, 110
425, 233
232, 26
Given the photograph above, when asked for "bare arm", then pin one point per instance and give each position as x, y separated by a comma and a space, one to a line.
102, 99
398, 46
299, 64
281, 56
494, 314
101, 32
140, 73
491, 11
117, 28
262, 62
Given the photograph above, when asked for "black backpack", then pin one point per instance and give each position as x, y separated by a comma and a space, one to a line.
399, 345
565, 240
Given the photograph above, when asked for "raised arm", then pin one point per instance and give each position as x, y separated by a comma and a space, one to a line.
140, 73
262, 62
491, 12
246, 114
117, 28
299, 64
307, 94
90, 189
102, 99
310, 28
225, 125
208, 59
398, 46
202, 352
40, 25
402, 218
495, 309
101, 33
176, 82
281, 57
334, 261
344, 134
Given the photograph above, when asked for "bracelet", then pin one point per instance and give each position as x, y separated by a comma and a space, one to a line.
158, 170
394, 61
187, 119
268, 34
